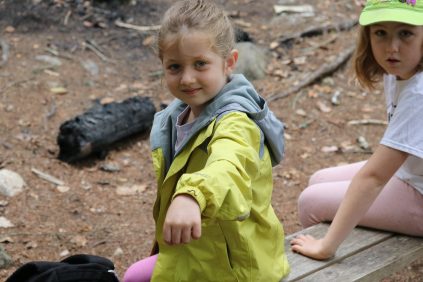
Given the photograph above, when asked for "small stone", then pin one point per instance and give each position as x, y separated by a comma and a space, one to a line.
11, 183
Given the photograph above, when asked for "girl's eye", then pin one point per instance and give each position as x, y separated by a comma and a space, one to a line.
200, 64
379, 32
174, 67
405, 33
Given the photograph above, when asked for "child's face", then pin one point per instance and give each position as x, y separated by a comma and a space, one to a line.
397, 47
194, 72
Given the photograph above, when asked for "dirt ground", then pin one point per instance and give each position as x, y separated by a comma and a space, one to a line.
100, 61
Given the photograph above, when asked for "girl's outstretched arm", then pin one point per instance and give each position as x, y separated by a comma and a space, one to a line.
362, 192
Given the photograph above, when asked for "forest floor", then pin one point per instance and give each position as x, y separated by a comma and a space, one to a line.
109, 213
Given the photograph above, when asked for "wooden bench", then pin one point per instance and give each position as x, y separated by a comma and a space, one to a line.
366, 255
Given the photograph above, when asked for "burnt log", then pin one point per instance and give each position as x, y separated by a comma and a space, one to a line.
102, 125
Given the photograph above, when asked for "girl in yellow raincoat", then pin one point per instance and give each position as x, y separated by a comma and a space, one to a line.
213, 148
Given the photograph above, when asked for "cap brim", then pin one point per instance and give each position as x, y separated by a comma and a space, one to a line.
391, 15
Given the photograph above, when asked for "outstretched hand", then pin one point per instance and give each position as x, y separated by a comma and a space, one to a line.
183, 221
308, 246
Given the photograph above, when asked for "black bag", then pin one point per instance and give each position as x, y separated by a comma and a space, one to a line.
76, 268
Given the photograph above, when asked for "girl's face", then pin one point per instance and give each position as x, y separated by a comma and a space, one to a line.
194, 72
397, 47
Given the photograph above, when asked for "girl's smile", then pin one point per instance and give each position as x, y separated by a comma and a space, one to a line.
191, 91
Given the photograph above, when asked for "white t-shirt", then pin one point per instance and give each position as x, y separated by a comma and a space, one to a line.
404, 100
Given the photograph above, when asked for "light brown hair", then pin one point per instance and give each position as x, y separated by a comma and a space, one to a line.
197, 15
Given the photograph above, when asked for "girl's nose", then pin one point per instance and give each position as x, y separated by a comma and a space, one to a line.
393, 45
187, 77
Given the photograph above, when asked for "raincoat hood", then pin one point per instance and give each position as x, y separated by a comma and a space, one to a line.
237, 95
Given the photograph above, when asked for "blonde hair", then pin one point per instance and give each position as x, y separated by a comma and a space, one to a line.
197, 15
367, 70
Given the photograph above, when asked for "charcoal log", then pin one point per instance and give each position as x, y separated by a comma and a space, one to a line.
102, 125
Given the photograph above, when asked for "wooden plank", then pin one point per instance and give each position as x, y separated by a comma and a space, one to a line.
374, 263
358, 240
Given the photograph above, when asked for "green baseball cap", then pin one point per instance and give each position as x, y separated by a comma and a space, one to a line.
377, 11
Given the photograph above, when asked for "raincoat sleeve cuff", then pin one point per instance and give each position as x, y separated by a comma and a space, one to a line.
195, 193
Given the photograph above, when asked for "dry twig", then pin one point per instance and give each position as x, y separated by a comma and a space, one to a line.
136, 27
367, 122
47, 177
14, 83
4, 52
93, 47
66, 20
313, 31
319, 73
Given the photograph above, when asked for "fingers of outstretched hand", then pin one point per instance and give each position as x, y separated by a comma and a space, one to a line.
183, 221
196, 231
176, 233
167, 234
181, 233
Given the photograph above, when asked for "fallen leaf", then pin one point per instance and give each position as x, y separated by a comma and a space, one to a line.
58, 90
79, 241
31, 245
6, 240
329, 149
63, 189
107, 100
9, 29
64, 253
127, 191
301, 112
149, 40
323, 107
5, 223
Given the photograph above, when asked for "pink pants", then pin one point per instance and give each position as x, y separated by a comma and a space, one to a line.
398, 208
141, 271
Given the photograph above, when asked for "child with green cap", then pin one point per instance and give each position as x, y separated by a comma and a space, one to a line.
386, 191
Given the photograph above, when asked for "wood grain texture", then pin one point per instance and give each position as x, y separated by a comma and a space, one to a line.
366, 255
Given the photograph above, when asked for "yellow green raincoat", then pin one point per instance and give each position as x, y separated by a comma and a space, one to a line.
227, 167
